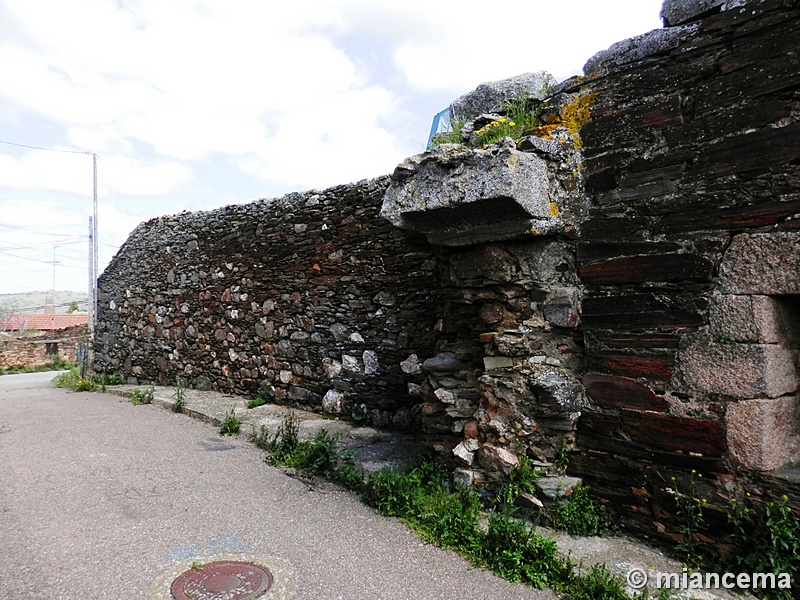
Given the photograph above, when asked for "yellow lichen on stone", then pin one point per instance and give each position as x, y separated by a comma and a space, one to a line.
553, 210
575, 115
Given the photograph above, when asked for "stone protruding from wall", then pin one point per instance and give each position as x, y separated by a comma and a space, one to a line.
489, 97
506, 375
460, 196
677, 12
311, 299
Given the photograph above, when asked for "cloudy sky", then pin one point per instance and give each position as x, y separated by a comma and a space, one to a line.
194, 104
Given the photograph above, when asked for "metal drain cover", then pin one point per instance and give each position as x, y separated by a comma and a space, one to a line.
222, 580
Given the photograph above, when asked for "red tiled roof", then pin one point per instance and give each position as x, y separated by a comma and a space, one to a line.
41, 322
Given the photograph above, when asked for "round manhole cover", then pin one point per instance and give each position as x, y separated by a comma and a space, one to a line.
222, 580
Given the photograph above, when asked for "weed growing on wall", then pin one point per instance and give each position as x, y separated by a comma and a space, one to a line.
690, 512
521, 480
260, 400
765, 540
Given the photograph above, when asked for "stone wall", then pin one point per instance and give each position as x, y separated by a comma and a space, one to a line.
622, 283
42, 348
690, 263
312, 298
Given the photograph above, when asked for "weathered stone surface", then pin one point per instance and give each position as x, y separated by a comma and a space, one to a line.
445, 362
562, 307
681, 434
655, 267
764, 434
491, 363
738, 370
762, 263
458, 196
676, 12
333, 402
495, 458
273, 294
760, 319
411, 365
556, 486
622, 392
637, 48
489, 97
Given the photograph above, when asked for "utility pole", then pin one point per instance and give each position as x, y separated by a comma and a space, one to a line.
92, 280
94, 260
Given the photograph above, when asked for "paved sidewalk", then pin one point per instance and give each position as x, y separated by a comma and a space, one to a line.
376, 449
100, 499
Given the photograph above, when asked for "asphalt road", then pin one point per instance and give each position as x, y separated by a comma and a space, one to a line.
102, 499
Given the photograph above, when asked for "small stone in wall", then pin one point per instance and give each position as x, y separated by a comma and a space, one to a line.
411, 365
495, 458
465, 451
333, 402
339, 332
331, 367
351, 364
371, 365
445, 361
445, 396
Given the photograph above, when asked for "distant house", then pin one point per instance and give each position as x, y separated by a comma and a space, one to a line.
38, 322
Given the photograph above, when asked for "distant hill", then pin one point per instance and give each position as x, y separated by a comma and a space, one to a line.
33, 302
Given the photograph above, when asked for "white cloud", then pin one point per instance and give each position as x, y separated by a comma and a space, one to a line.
197, 103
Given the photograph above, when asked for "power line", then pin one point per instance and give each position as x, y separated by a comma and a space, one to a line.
39, 216
45, 149
44, 262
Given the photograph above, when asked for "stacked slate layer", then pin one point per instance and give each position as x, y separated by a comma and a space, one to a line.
311, 299
690, 265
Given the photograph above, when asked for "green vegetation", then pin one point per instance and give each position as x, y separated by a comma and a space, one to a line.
519, 117
143, 396
582, 515
765, 540
448, 515
68, 380
113, 379
231, 424
260, 400
324, 455
56, 365
521, 480
180, 396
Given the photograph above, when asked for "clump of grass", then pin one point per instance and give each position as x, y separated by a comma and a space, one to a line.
521, 480
448, 515
68, 380
260, 400
85, 385
324, 455
582, 516
139, 397
180, 396
231, 424
449, 137
113, 379
56, 365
